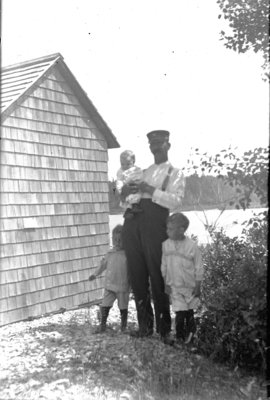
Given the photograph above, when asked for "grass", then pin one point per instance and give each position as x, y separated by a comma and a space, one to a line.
60, 357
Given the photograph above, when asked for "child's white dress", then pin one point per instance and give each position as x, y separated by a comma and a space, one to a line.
181, 267
123, 177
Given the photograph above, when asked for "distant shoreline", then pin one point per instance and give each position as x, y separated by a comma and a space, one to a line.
232, 221
203, 208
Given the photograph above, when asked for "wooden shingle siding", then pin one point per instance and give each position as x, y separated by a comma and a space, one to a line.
54, 200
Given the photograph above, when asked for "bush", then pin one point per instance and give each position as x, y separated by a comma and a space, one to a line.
232, 322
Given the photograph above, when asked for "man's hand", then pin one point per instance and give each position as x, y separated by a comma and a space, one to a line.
145, 188
128, 189
197, 290
168, 290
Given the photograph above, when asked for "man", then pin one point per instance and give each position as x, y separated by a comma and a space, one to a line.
162, 190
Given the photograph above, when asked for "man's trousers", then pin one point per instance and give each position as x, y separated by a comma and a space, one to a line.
142, 238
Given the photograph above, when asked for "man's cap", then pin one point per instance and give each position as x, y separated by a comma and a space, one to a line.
159, 135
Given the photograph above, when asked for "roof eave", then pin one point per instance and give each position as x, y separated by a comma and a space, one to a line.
18, 101
57, 60
88, 105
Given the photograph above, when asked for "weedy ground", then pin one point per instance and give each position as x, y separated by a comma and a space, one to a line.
60, 357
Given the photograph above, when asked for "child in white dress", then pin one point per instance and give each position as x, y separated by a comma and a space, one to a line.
182, 271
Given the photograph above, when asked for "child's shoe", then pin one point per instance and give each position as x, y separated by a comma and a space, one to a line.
104, 311
179, 342
167, 339
100, 329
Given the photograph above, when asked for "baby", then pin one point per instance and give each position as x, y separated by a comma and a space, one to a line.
129, 173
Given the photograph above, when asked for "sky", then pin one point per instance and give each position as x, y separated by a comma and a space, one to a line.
149, 64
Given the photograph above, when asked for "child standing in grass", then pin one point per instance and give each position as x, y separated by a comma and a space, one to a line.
116, 280
182, 270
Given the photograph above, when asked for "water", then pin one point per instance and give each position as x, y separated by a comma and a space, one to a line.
230, 220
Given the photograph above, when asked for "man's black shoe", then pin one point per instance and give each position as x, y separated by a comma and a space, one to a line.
167, 339
140, 334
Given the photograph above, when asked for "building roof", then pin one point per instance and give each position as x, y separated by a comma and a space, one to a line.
19, 80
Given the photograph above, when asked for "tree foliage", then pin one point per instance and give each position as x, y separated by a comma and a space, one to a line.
233, 321
223, 180
247, 174
204, 192
249, 22
201, 193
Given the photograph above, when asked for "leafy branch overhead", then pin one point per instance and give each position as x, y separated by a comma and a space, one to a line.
248, 20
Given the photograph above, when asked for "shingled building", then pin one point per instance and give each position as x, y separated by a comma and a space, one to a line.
54, 190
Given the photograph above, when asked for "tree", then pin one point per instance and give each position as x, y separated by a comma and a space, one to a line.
207, 191
248, 174
233, 318
249, 22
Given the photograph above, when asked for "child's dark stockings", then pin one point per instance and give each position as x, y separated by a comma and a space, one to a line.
124, 315
184, 324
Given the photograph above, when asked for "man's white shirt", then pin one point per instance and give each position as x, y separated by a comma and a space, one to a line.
172, 197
